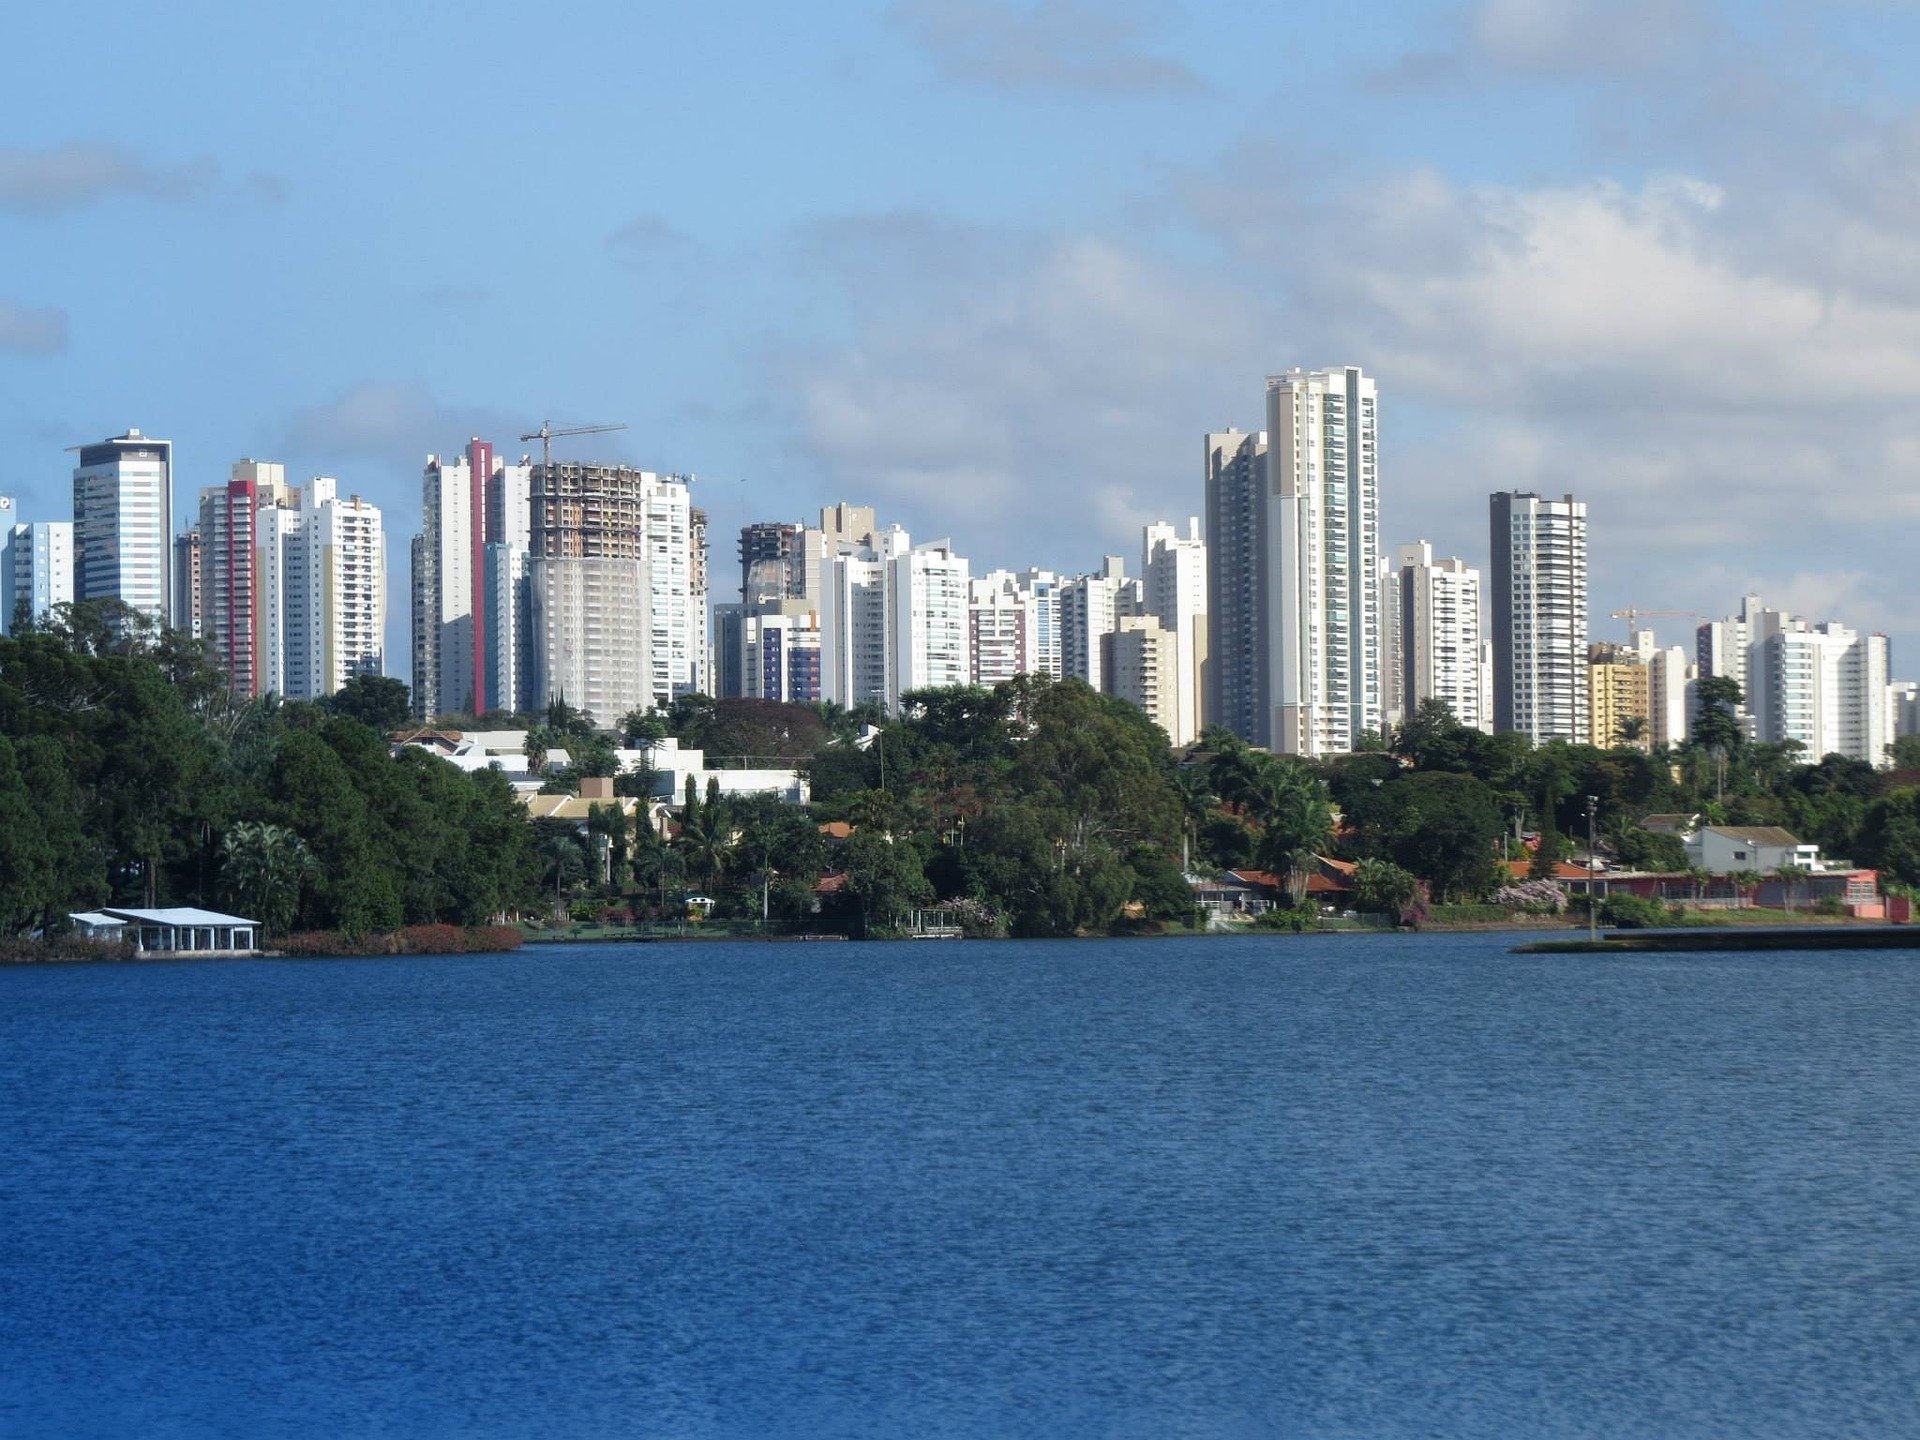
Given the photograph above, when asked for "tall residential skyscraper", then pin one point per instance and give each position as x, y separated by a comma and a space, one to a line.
1091, 607
1236, 665
1823, 685
1323, 533
188, 609
773, 561
1619, 696
1173, 579
294, 593
614, 618
928, 594
36, 571
1436, 626
1016, 625
243, 591
467, 503
1539, 551
1141, 663
344, 564
858, 659
123, 523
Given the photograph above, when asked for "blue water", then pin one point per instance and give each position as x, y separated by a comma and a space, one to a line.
1347, 1186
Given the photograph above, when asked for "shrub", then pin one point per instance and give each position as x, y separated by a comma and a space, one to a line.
433, 940
1631, 912
14, 951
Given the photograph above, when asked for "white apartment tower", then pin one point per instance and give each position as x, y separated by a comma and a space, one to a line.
1323, 534
1173, 579
1823, 685
1435, 622
36, 571
858, 660
929, 619
1016, 625
1091, 607
123, 523
1539, 614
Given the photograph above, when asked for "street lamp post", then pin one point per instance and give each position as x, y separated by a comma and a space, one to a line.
1593, 869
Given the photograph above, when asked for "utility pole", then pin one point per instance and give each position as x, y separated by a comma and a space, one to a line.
1593, 870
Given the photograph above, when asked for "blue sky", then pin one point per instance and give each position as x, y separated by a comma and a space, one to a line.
996, 265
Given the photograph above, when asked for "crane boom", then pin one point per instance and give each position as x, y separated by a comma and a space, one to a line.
1633, 613
548, 430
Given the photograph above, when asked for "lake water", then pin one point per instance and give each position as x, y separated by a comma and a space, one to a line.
1335, 1186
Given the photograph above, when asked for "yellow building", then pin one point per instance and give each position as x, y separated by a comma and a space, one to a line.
1619, 690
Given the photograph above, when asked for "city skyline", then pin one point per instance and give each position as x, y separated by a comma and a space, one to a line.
1696, 324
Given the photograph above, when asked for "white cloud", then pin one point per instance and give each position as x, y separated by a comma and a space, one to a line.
75, 175
1044, 44
32, 330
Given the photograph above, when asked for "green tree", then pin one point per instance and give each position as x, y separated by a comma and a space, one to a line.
264, 867
885, 880
1441, 827
377, 701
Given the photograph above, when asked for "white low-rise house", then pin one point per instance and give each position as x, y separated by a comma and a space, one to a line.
180, 930
474, 750
1729, 849
673, 766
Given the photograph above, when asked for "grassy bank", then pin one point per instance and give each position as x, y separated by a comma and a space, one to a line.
1735, 938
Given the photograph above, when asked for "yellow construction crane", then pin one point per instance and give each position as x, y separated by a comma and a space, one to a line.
546, 432
1633, 613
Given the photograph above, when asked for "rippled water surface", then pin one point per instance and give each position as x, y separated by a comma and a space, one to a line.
1352, 1186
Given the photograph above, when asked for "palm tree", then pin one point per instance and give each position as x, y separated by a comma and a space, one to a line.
1196, 798
263, 867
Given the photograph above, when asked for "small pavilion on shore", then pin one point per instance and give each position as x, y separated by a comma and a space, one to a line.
180, 930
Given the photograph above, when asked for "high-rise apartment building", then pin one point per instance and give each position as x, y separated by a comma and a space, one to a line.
1539, 616
1141, 664
123, 523
468, 502
1091, 607
1619, 697
36, 571
615, 621
927, 599
1237, 693
188, 606
1670, 677
1433, 629
1173, 582
344, 564
294, 583
1824, 686
1323, 534
243, 589
858, 658
780, 653
1015, 620
773, 561
998, 617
